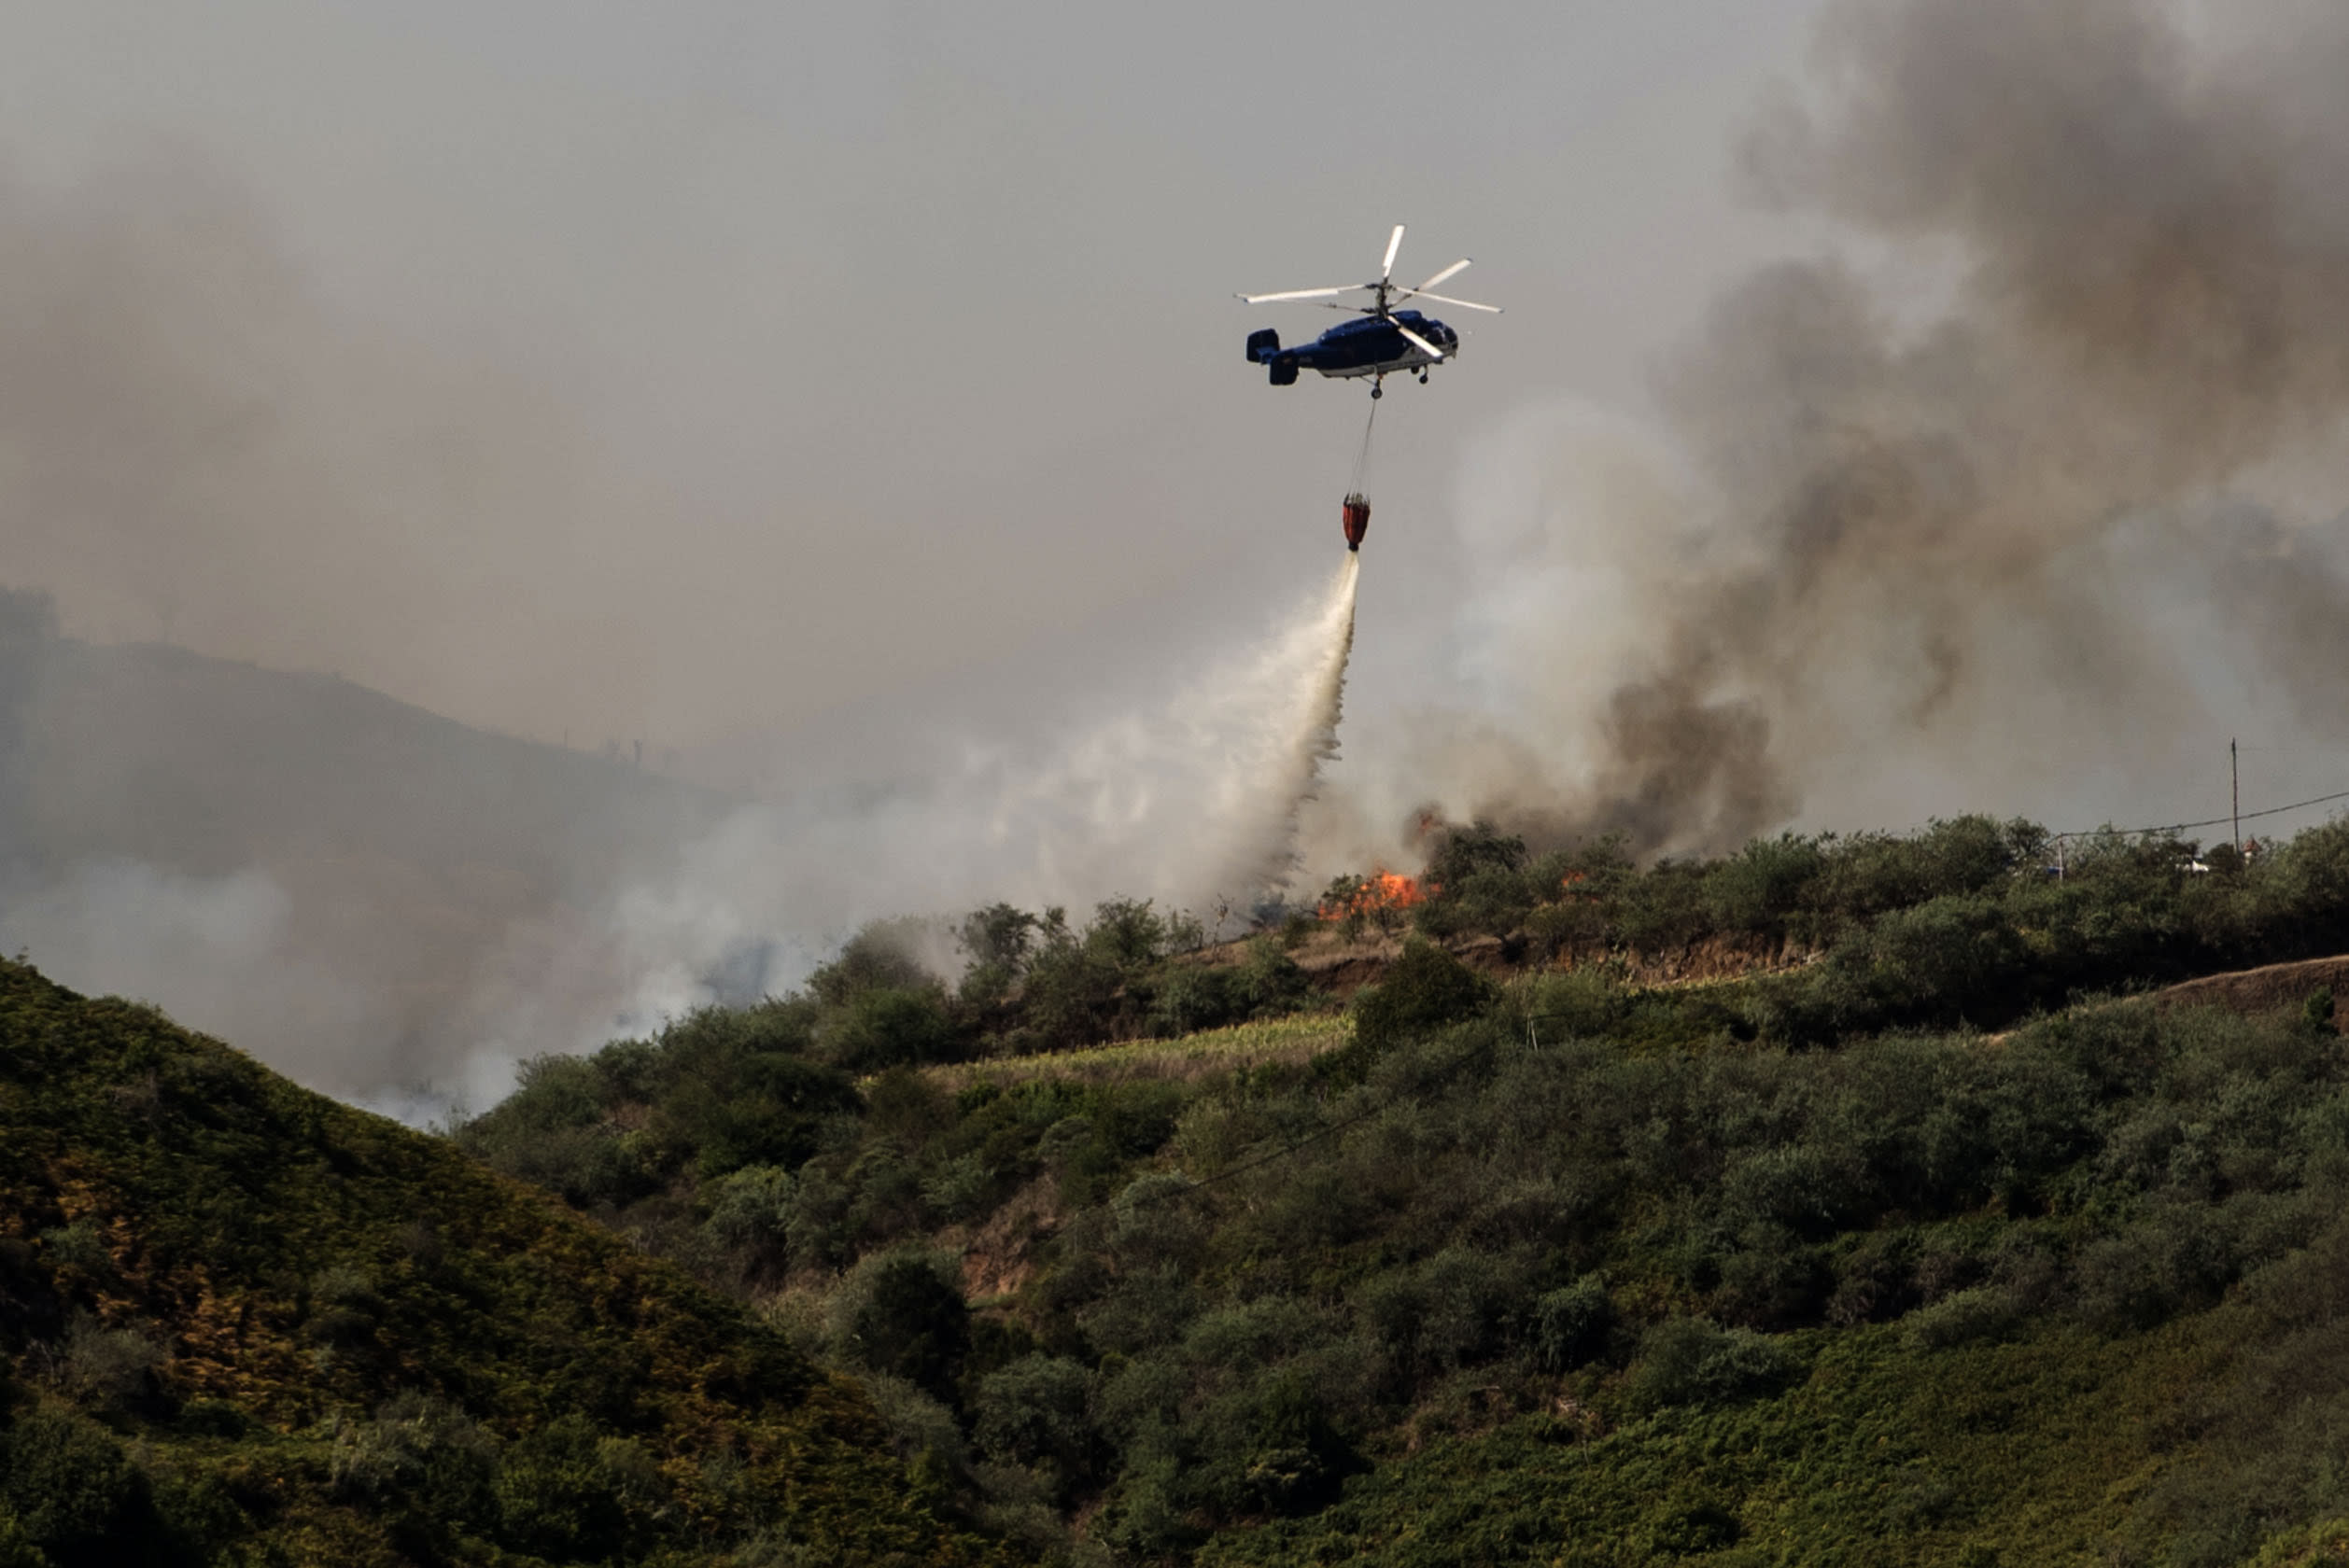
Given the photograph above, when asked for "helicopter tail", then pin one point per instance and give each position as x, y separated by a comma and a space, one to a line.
1263, 345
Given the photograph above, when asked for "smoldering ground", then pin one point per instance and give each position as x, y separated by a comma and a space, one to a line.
2031, 481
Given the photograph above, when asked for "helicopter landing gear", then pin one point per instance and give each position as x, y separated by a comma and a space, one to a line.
1378, 388
1422, 378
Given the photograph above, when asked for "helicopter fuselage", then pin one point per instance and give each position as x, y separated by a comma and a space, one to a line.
1371, 346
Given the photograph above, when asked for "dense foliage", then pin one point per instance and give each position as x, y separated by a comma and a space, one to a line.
1553, 1254
239, 1323
1561, 1267
1971, 921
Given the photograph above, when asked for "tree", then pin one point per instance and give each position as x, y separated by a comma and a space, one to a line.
1425, 989
904, 1314
1464, 851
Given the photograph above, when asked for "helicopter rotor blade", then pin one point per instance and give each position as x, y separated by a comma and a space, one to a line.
1453, 271
1422, 345
1394, 243
1302, 294
1446, 299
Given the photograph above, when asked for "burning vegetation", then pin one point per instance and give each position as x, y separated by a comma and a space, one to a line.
1383, 893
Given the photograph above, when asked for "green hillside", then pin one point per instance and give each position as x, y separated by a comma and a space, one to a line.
242, 1323
1903, 1235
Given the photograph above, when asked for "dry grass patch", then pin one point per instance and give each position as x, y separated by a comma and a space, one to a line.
1190, 1057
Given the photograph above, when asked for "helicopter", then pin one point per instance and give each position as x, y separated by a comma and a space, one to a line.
1386, 342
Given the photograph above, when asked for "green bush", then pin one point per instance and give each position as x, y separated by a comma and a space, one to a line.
1423, 990
998, 940
879, 958
77, 1497
1187, 997
419, 1456
1461, 853
16, 1549
1964, 1317
106, 1370
566, 1493
886, 1026
750, 1219
1037, 1412
902, 1312
1268, 1447
1571, 1324
1452, 1310
1767, 889
1693, 1360
1072, 994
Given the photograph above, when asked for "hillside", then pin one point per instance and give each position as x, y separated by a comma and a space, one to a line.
332, 877
240, 1322
1843, 1200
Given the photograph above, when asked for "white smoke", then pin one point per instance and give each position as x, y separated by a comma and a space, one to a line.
1192, 802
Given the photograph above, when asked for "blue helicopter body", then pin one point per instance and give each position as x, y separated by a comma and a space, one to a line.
1371, 346
1385, 342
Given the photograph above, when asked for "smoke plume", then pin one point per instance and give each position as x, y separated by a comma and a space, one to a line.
1981, 498
1192, 800
2003, 500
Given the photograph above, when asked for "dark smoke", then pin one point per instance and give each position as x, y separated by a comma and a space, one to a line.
1990, 489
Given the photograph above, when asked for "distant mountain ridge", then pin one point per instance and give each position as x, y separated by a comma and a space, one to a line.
336, 878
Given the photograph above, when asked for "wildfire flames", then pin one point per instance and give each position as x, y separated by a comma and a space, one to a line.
1380, 892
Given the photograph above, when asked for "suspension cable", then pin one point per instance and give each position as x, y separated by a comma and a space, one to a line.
1362, 461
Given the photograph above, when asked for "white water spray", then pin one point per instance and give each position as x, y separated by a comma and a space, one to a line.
1192, 802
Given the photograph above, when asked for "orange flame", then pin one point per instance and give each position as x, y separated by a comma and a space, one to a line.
1380, 891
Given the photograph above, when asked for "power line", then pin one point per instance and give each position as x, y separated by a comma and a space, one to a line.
2213, 822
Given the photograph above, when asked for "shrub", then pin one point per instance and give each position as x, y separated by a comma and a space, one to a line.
1944, 959
17, 1549
1961, 1318
1463, 852
924, 1431
1126, 933
1425, 989
1771, 1281
1762, 889
879, 958
1586, 1002
750, 1217
1687, 1523
998, 940
902, 1312
1187, 998
1267, 1446
1571, 1324
565, 1494
887, 1025
2180, 1256
106, 1370
419, 1455
1035, 1412
1694, 1361
554, 1092
1071, 994
77, 1497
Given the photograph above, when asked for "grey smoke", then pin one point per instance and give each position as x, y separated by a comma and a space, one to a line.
1981, 498
2015, 493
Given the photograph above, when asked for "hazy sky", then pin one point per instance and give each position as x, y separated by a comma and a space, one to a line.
854, 403
693, 369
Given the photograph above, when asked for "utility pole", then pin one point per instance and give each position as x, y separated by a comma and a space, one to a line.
2234, 782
